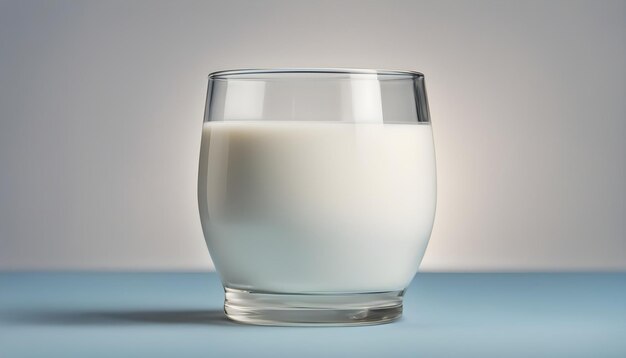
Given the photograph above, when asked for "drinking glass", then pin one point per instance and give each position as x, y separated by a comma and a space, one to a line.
316, 192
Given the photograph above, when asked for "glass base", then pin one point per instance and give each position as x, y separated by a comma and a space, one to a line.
278, 309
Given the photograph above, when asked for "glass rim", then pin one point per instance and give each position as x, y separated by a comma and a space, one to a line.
270, 72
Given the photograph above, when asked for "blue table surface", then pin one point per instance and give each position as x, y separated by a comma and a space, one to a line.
180, 315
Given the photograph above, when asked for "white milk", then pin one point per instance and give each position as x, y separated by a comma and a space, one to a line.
317, 207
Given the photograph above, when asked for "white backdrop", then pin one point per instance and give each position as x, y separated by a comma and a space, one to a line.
101, 105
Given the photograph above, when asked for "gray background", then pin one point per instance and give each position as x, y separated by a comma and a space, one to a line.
101, 105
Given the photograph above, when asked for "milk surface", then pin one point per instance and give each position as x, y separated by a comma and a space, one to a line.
316, 207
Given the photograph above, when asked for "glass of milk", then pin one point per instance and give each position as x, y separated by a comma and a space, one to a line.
317, 192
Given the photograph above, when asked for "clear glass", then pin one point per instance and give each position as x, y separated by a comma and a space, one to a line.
317, 192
